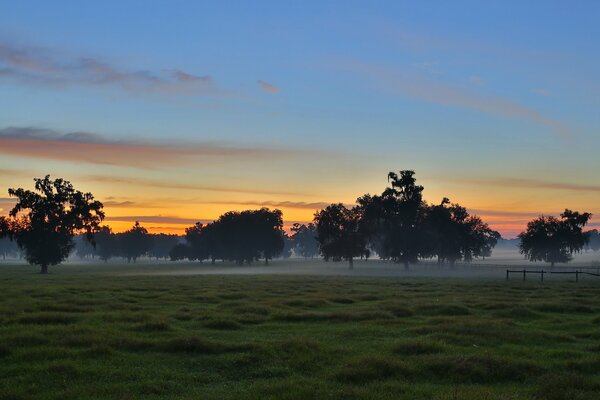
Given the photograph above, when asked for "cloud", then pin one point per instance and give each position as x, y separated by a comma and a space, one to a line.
476, 80
277, 204
267, 87
415, 86
161, 219
38, 65
530, 184
96, 149
118, 204
431, 67
6, 204
542, 92
504, 214
132, 182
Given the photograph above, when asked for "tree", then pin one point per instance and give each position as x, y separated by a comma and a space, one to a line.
83, 248
304, 240
552, 239
269, 234
340, 233
288, 246
453, 234
43, 222
106, 243
135, 242
198, 241
179, 252
594, 240
394, 220
162, 243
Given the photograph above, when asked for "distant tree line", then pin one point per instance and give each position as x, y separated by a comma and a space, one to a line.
130, 245
48, 224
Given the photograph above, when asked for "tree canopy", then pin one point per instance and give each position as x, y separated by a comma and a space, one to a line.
340, 233
43, 222
554, 240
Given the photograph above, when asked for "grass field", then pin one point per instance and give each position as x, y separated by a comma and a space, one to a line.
98, 335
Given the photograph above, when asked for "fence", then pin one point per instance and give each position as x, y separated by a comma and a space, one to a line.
542, 272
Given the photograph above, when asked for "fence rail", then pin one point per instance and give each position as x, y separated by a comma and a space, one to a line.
524, 272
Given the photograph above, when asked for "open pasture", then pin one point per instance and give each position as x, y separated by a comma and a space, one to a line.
100, 334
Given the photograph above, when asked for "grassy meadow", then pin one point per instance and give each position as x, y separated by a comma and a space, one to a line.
97, 335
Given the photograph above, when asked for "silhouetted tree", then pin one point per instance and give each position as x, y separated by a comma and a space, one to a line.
180, 251
135, 242
340, 233
268, 235
453, 234
238, 236
594, 240
83, 248
552, 239
44, 221
394, 220
106, 243
162, 243
288, 246
198, 239
304, 239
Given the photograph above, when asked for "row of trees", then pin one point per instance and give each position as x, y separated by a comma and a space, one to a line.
398, 225
131, 244
235, 236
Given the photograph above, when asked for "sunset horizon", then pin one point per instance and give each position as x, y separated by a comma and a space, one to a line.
294, 108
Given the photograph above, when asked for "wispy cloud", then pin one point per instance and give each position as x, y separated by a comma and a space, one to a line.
92, 148
133, 182
39, 65
542, 92
278, 204
267, 87
6, 204
532, 184
433, 91
161, 219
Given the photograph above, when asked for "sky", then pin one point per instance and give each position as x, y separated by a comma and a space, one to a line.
172, 112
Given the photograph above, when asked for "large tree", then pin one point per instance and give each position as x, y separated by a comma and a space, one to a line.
135, 242
453, 235
198, 241
106, 243
394, 220
340, 233
554, 240
304, 240
43, 222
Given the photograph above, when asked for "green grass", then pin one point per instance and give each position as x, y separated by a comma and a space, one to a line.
97, 335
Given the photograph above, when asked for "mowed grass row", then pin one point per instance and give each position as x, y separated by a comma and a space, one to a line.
281, 337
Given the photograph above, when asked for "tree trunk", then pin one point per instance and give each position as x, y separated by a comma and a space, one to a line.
266, 261
213, 261
350, 263
552, 265
406, 265
44, 269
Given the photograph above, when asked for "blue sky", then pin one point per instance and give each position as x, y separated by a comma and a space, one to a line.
494, 104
